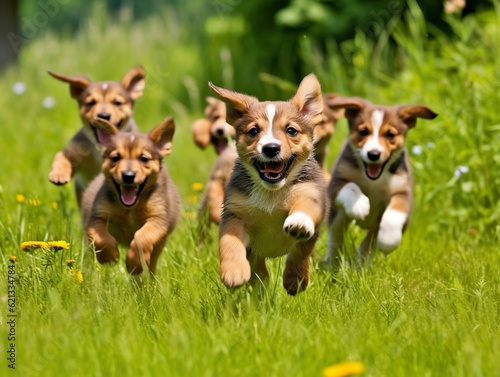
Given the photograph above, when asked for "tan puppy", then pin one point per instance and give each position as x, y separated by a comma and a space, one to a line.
216, 131
276, 201
371, 179
108, 100
133, 202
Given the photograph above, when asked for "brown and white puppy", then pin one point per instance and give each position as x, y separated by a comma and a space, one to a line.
133, 202
109, 100
324, 131
371, 179
275, 201
216, 131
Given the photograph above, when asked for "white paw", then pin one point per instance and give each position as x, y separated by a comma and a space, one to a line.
299, 225
391, 230
355, 203
359, 209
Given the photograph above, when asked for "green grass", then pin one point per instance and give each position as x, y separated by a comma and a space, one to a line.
431, 308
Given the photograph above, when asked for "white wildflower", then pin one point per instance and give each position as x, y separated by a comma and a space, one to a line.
417, 150
19, 88
49, 102
461, 170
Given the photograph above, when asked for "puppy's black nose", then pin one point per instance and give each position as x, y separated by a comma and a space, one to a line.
373, 155
105, 116
220, 132
271, 150
128, 176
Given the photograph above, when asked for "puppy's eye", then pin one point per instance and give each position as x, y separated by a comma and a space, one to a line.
90, 103
217, 117
292, 131
390, 135
117, 103
364, 132
144, 159
253, 132
115, 158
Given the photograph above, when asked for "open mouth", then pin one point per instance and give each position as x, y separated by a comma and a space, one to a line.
273, 171
129, 194
220, 144
374, 171
101, 135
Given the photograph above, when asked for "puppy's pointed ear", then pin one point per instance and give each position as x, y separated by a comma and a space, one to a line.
77, 83
237, 104
409, 114
134, 81
352, 105
104, 131
308, 98
162, 136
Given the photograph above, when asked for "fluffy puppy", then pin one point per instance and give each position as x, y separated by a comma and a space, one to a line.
215, 131
371, 180
108, 100
133, 202
275, 201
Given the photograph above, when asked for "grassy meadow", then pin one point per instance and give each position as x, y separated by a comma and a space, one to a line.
431, 308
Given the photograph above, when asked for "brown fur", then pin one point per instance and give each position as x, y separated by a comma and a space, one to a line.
111, 217
80, 158
216, 131
273, 205
382, 204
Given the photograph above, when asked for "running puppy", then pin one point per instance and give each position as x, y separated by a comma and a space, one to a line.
276, 200
216, 131
133, 202
371, 180
109, 100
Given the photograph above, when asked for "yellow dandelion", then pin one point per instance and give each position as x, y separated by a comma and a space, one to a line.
78, 275
58, 245
197, 186
20, 198
34, 202
54, 205
189, 215
30, 245
70, 262
13, 258
349, 368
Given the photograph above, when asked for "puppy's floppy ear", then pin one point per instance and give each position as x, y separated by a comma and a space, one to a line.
162, 136
409, 114
77, 83
104, 131
352, 105
333, 114
308, 98
237, 104
201, 132
134, 81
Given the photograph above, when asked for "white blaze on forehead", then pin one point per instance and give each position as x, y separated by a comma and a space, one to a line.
268, 137
104, 86
372, 142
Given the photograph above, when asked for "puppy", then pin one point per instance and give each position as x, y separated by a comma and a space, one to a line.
213, 130
216, 131
108, 100
275, 201
371, 179
324, 131
133, 202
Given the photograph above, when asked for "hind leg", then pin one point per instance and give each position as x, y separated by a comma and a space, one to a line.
336, 235
365, 250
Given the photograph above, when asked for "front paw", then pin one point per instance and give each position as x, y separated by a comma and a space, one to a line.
390, 232
359, 208
59, 177
235, 273
299, 225
107, 254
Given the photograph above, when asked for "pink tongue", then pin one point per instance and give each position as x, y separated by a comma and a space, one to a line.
129, 195
273, 167
221, 145
103, 137
373, 170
